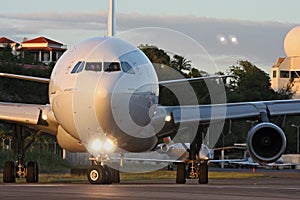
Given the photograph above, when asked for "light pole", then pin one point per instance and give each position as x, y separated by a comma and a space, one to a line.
297, 127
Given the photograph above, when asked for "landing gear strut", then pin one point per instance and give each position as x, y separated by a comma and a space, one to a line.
102, 174
193, 167
19, 168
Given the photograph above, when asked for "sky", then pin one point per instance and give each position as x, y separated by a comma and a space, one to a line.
214, 34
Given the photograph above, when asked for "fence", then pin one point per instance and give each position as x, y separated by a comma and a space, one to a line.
6, 145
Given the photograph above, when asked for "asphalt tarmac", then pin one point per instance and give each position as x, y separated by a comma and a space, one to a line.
279, 185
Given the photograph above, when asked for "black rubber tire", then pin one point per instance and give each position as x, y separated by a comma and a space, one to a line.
181, 173
97, 175
32, 175
203, 176
9, 175
113, 174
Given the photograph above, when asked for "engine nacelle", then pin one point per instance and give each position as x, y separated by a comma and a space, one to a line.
67, 142
266, 143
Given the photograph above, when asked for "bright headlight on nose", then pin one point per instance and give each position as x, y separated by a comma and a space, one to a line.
97, 144
108, 145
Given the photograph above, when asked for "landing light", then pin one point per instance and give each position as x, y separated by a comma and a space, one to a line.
108, 145
97, 145
44, 117
168, 118
102, 145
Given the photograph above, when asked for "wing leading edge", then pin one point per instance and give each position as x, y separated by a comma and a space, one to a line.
27, 78
36, 116
208, 113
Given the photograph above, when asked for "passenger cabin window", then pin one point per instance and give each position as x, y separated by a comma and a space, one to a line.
284, 74
112, 66
78, 67
93, 66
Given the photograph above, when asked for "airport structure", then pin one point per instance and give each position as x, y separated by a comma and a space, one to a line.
42, 49
286, 71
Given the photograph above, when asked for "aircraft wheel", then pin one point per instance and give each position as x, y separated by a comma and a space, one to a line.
97, 175
32, 175
181, 174
113, 174
9, 172
203, 176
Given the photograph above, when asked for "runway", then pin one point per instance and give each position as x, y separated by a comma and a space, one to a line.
257, 188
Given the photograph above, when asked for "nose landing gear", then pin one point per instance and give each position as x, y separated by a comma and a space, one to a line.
103, 174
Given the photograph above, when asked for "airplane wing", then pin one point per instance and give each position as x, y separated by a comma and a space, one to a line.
27, 78
32, 115
185, 80
207, 113
144, 157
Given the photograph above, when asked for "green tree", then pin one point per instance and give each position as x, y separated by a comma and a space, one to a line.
194, 72
180, 63
6, 54
155, 55
250, 84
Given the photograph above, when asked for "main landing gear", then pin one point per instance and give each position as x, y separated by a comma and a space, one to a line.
192, 170
103, 174
20, 168
193, 167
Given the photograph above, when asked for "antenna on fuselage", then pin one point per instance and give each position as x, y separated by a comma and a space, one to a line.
111, 19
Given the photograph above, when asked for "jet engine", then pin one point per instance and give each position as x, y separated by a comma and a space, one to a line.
266, 143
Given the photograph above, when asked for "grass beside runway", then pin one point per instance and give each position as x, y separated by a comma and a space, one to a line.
155, 175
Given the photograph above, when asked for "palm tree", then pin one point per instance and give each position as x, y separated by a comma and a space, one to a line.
180, 63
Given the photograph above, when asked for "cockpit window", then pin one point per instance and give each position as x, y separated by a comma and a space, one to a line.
78, 67
112, 66
93, 66
126, 67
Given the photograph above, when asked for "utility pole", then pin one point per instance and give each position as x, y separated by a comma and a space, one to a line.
297, 127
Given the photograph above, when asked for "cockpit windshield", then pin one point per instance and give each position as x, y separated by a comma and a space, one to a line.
93, 66
101, 66
111, 66
78, 67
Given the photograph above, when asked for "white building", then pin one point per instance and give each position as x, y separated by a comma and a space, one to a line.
43, 49
286, 71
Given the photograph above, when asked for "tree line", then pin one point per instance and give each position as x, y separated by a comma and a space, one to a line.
249, 83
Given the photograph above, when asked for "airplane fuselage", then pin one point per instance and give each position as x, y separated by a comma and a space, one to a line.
105, 88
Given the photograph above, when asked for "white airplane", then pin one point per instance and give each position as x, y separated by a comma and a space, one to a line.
180, 150
249, 163
103, 96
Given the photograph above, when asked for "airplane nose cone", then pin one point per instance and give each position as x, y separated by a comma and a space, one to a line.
142, 105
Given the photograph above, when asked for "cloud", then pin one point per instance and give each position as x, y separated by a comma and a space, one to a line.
258, 42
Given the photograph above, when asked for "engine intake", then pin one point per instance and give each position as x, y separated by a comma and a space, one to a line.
266, 142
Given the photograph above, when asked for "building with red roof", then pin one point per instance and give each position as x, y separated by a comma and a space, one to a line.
4, 42
43, 49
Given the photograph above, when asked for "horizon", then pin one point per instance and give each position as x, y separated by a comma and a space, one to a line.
259, 35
